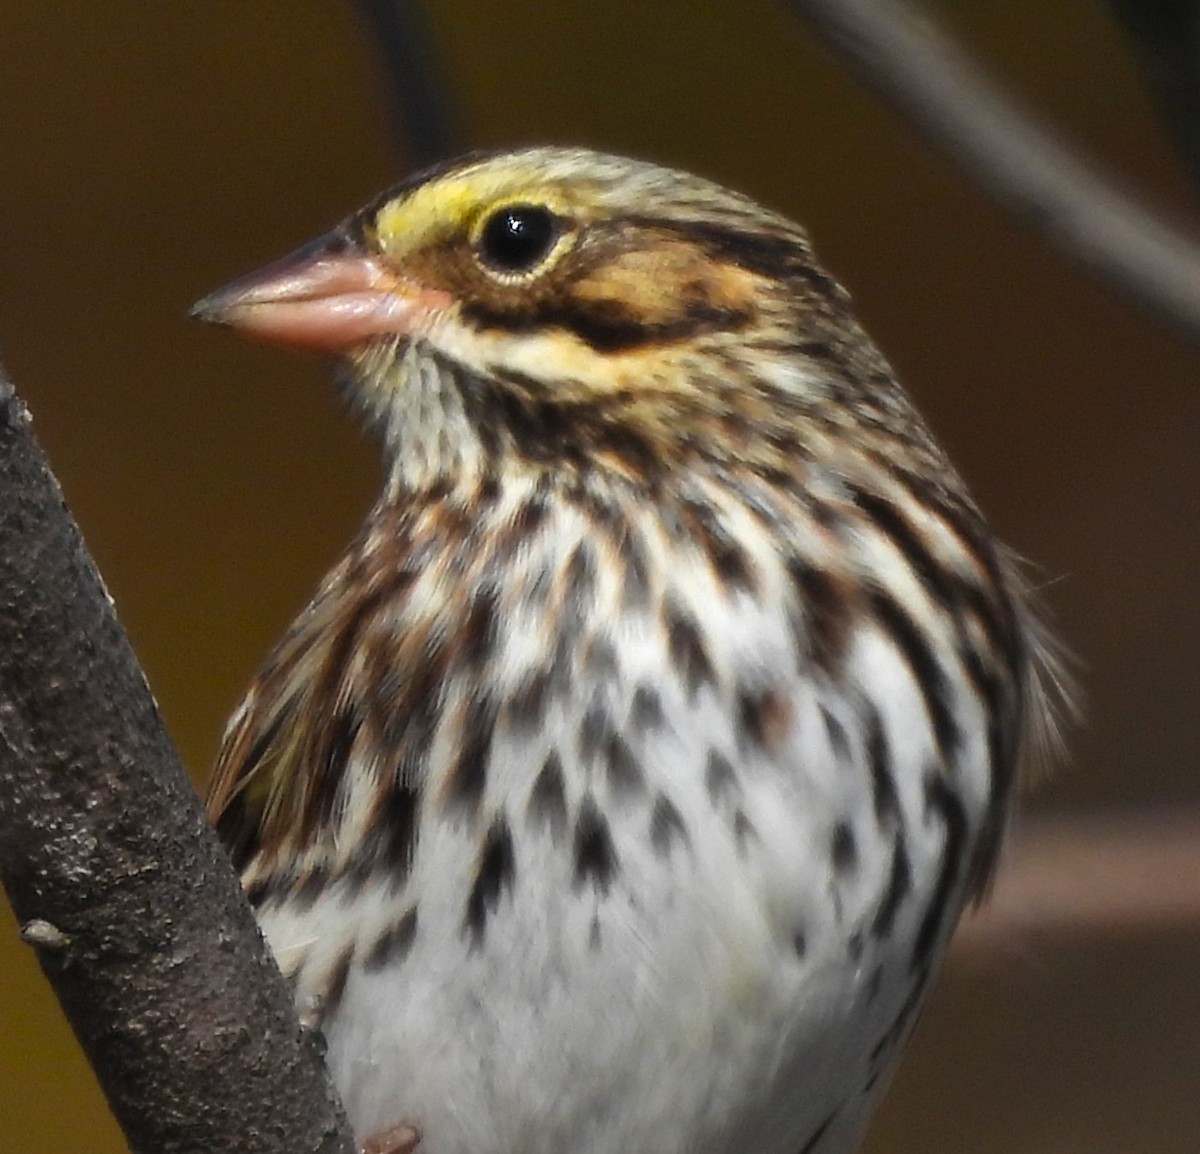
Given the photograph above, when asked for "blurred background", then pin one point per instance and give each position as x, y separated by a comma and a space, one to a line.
153, 151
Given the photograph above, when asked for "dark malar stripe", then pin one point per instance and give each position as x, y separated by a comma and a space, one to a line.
513, 412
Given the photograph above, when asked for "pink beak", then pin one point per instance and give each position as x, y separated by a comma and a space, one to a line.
327, 296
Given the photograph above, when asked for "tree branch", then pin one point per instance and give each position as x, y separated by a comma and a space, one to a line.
420, 102
1104, 875
922, 74
113, 871
1167, 34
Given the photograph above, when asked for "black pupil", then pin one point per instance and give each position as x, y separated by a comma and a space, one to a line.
515, 239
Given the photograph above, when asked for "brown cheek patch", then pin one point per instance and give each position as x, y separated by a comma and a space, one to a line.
630, 291
668, 287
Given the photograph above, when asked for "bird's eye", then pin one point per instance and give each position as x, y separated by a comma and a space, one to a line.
517, 238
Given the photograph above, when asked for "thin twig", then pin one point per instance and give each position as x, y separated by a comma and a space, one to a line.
1167, 34
113, 872
1106, 875
920, 72
420, 102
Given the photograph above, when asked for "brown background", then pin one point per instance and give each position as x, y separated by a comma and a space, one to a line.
151, 151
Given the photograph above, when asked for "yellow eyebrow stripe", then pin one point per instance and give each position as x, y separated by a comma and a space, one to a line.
456, 205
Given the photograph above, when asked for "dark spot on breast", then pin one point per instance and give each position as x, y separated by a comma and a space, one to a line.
494, 875
488, 491
537, 591
839, 742
898, 887
389, 844
635, 569
764, 718
744, 833
526, 707
562, 663
335, 983
257, 891
392, 946
579, 580
667, 827
645, 710
468, 775
548, 798
312, 884
879, 762
596, 729
843, 849
854, 946
336, 740
595, 854
719, 778
478, 635
827, 605
600, 659
624, 771
686, 648
730, 562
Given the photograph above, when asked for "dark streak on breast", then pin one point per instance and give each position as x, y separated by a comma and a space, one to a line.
494, 875
595, 854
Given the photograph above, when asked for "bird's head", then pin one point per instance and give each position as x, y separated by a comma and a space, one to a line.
559, 304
